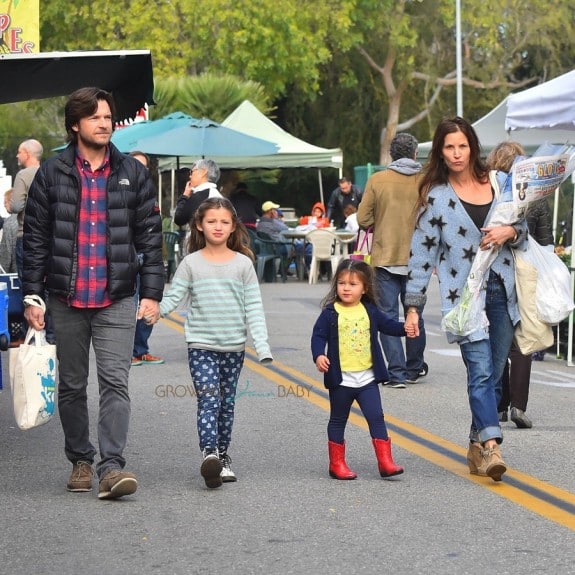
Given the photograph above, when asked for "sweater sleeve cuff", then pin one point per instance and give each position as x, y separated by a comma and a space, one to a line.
415, 300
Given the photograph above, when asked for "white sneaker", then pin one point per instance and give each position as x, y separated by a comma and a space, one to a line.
227, 475
211, 469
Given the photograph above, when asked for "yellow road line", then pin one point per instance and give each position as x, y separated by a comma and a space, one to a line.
519, 487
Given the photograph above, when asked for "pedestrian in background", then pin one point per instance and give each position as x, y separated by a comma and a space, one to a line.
203, 184
345, 348
29, 157
218, 279
345, 194
8, 241
141, 352
517, 372
389, 204
247, 206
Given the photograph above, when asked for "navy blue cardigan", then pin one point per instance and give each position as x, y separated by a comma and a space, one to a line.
325, 334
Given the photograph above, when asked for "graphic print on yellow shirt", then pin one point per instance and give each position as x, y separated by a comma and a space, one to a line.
354, 338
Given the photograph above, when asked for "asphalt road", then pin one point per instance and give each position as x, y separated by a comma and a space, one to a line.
285, 515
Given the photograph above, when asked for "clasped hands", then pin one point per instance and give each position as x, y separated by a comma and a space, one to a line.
411, 330
149, 311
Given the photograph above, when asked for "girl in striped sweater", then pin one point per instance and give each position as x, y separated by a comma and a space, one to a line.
219, 281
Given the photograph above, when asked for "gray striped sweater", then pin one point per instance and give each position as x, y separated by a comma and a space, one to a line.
223, 300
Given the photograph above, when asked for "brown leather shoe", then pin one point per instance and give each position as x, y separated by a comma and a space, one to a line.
492, 464
474, 459
116, 484
81, 477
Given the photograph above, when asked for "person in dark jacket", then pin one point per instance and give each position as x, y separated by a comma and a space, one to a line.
91, 212
344, 195
202, 185
247, 206
345, 348
516, 375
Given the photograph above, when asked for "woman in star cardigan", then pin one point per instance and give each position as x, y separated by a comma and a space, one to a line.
457, 195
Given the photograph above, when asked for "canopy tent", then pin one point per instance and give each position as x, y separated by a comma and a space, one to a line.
179, 134
550, 105
545, 108
491, 131
127, 74
292, 152
203, 137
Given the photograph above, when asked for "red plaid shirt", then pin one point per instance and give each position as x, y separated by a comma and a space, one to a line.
92, 274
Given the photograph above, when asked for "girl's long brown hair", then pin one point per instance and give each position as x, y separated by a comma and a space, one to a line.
239, 239
363, 271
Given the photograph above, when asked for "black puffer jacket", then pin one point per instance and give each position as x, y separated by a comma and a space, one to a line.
51, 228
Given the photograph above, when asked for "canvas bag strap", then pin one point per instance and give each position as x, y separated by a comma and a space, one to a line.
365, 241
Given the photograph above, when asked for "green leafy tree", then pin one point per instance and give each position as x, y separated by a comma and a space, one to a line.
298, 49
412, 50
206, 96
277, 43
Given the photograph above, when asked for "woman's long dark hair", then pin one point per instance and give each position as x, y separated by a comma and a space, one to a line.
435, 171
365, 275
239, 239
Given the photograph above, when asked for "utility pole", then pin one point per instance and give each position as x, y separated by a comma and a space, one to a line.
458, 58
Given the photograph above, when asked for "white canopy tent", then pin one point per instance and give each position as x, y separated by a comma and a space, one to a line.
546, 108
491, 130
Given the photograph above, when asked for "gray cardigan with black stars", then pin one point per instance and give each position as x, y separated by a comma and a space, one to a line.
446, 239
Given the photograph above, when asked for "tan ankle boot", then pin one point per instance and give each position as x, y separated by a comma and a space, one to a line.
492, 464
474, 459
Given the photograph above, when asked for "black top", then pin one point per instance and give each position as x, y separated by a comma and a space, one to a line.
186, 207
247, 207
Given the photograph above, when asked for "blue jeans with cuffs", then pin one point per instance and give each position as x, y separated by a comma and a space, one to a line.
485, 360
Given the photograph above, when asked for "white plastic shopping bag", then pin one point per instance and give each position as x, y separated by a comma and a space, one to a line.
554, 295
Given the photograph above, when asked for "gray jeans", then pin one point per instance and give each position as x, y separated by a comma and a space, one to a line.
110, 330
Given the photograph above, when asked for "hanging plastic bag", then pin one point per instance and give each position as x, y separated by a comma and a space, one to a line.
554, 295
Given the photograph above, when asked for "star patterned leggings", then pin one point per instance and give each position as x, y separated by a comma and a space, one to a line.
215, 377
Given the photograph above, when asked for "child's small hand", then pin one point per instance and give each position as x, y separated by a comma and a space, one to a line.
411, 325
410, 330
322, 363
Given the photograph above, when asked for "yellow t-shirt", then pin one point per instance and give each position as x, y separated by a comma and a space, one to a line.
354, 338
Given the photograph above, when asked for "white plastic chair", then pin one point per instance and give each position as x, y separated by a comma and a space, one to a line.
325, 247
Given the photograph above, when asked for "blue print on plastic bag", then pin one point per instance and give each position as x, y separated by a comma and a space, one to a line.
49, 389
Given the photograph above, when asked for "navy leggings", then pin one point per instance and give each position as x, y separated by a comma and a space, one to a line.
215, 377
369, 400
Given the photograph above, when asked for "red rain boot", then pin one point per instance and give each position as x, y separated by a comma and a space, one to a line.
387, 467
338, 468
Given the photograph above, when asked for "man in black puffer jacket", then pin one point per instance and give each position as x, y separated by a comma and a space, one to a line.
90, 211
